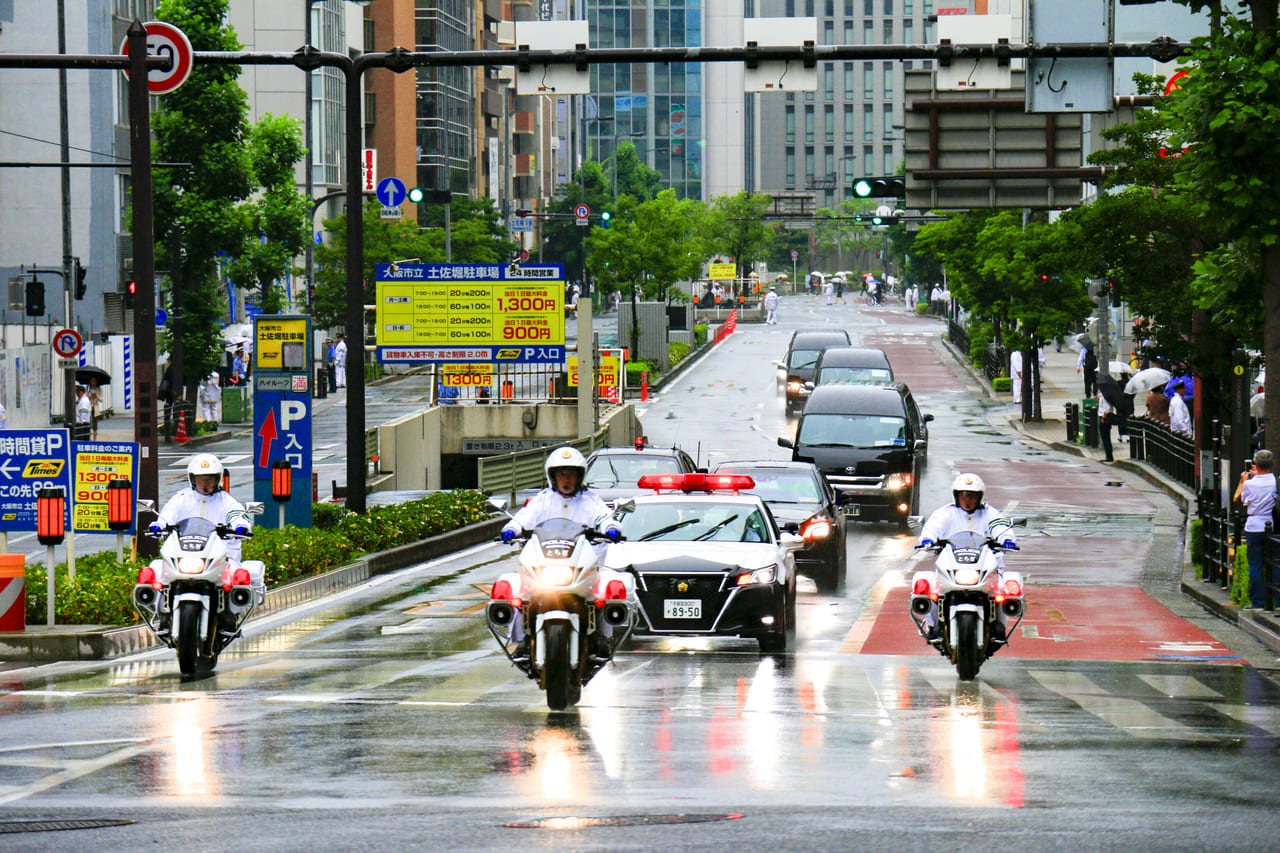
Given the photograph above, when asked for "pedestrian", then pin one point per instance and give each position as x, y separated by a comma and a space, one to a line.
94, 396
1158, 406
829, 288
1106, 417
340, 362
1015, 375
210, 397
1257, 491
1179, 414
840, 288
446, 394
1181, 374
328, 366
237, 367
84, 408
771, 306
1088, 364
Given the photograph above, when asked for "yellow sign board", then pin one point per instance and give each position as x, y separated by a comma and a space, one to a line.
470, 313
91, 472
281, 344
608, 377
466, 375
722, 272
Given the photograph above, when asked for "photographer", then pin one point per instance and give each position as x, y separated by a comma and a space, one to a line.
1257, 491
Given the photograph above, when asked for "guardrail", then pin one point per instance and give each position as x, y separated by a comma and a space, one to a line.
1171, 452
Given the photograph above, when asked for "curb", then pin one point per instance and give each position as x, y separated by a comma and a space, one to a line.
99, 642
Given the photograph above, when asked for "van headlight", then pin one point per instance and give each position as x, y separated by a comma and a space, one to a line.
893, 482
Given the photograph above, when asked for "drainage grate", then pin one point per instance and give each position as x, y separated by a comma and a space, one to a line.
571, 822
57, 825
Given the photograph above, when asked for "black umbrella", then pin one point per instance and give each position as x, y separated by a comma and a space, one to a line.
1110, 388
90, 373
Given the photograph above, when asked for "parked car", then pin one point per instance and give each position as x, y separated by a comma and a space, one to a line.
803, 502
848, 365
709, 560
871, 442
613, 472
802, 357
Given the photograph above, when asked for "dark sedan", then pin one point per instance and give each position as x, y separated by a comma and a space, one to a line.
803, 502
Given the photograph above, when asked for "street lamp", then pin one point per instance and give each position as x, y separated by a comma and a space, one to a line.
310, 158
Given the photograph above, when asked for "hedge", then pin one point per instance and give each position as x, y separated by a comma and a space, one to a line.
102, 591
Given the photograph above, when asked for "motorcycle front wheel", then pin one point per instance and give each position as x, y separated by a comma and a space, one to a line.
188, 645
966, 641
557, 676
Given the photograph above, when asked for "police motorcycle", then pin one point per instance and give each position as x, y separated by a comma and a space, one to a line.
573, 614
975, 601
192, 598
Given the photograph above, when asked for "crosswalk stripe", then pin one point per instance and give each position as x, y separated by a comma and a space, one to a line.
1265, 718
468, 686
1128, 715
1180, 686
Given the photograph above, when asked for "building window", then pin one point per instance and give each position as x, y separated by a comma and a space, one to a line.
888, 79
868, 86
868, 32
868, 122
868, 8
791, 123
848, 80
888, 32
888, 7
808, 124
848, 32
868, 165
848, 8
829, 8
829, 123
829, 82
791, 168
908, 7
889, 166
908, 31
808, 161
848, 127
829, 32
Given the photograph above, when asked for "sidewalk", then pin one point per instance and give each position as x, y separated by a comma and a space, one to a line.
1060, 384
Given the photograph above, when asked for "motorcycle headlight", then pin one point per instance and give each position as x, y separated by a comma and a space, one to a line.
765, 575
967, 577
556, 575
190, 565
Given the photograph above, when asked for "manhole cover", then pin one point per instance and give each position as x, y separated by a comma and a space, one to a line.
55, 825
578, 822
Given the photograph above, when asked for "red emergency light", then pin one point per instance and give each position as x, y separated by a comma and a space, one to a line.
697, 482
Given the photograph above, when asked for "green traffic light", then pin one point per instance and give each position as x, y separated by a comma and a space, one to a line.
417, 194
862, 188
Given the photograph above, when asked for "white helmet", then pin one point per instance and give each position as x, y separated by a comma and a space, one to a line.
566, 457
968, 483
203, 464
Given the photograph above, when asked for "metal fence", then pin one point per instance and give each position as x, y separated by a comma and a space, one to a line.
1171, 452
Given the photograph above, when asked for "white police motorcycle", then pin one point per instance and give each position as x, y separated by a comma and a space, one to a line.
572, 614
975, 601
192, 597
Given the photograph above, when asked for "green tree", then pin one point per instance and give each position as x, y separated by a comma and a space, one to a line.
476, 231
734, 226
634, 177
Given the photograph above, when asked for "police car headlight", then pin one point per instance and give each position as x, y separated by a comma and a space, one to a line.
190, 565
967, 577
556, 575
765, 575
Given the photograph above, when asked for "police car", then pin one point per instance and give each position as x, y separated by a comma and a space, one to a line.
708, 559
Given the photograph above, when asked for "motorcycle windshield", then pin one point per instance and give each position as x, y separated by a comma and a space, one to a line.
966, 546
194, 533
557, 536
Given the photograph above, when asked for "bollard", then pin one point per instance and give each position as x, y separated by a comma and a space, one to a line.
119, 511
51, 524
644, 386
13, 592
281, 484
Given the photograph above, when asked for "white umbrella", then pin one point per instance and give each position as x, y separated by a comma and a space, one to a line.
1120, 368
1258, 405
1144, 380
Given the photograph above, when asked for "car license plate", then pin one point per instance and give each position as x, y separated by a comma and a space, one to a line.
853, 509
681, 608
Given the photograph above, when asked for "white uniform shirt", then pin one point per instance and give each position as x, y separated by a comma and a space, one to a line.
340, 354
947, 521
84, 409
586, 508
217, 508
770, 300
1259, 498
1179, 417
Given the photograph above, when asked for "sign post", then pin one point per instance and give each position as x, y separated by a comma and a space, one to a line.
282, 412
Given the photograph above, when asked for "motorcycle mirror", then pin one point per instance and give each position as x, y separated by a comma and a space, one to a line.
254, 508
496, 504
792, 541
915, 522
1019, 521
146, 505
628, 505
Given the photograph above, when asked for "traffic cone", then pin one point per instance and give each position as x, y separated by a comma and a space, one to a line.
182, 428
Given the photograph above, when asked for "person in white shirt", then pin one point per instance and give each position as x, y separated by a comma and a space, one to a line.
1179, 416
340, 362
771, 306
84, 406
968, 513
1106, 417
1257, 491
210, 397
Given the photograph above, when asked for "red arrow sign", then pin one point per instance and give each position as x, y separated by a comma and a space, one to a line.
268, 435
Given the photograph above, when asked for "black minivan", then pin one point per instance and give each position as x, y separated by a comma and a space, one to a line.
802, 355
871, 442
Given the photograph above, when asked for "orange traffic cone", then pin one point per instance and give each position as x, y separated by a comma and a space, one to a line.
182, 428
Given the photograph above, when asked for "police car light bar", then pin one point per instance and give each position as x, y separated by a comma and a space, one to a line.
697, 482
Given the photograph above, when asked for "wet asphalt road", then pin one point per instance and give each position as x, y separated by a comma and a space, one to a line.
386, 718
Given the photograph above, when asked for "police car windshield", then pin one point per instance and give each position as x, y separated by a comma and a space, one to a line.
694, 521
781, 485
832, 375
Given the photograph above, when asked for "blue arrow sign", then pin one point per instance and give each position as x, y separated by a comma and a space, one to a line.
391, 192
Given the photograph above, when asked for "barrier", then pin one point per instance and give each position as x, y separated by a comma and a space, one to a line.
13, 592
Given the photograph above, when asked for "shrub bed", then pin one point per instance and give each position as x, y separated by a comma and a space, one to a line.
102, 590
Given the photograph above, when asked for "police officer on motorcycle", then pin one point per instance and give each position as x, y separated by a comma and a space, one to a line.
968, 512
566, 496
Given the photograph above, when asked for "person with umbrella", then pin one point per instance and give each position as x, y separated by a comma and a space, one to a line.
1106, 413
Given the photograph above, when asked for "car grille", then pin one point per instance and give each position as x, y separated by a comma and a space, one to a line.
852, 482
654, 588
